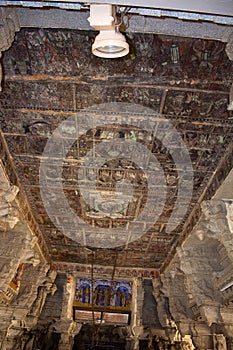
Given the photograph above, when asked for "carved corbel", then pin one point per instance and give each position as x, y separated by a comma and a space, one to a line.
30, 254
9, 25
9, 214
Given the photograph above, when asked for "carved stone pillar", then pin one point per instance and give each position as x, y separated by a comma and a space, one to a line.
67, 327
9, 24
136, 328
228, 330
202, 337
186, 343
219, 342
44, 285
230, 344
13, 336
129, 343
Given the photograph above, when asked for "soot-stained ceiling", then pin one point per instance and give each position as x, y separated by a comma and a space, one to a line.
165, 82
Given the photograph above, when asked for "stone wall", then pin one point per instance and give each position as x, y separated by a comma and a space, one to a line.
194, 295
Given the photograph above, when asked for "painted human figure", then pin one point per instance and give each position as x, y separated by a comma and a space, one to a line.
107, 294
99, 296
79, 295
123, 298
86, 294
118, 297
95, 296
128, 301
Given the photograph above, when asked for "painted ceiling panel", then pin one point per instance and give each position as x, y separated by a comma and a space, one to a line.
50, 76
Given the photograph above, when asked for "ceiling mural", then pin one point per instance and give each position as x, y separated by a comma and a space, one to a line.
50, 76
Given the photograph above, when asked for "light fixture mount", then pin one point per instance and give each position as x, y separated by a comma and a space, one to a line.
109, 43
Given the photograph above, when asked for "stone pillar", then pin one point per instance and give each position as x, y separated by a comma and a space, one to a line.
230, 344
136, 329
219, 342
186, 343
69, 329
13, 336
129, 343
9, 25
227, 329
202, 337
67, 326
45, 286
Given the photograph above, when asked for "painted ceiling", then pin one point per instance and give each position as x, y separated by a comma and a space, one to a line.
166, 86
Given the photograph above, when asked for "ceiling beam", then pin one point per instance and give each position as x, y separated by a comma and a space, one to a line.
223, 7
58, 18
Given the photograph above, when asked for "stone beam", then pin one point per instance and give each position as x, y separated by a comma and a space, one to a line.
100, 271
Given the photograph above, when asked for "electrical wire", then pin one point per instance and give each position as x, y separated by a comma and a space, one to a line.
122, 15
96, 327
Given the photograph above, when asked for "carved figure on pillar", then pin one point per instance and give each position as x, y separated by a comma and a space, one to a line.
219, 342
186, 344
47, 287
9, 215
9, 25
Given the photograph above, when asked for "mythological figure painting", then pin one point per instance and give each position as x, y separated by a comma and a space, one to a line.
103, 293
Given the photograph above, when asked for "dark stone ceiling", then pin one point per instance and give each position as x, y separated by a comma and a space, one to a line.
51, 75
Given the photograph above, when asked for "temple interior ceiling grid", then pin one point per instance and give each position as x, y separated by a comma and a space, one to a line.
116, 196
50, 76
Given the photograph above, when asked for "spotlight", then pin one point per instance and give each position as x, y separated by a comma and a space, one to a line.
109, 43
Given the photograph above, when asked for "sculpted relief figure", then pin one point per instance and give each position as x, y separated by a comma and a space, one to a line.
229, 207
47, 287
9, 215
186, 343
9, 25
214, 218
220, 342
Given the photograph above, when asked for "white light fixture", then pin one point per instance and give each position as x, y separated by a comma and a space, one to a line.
109, 43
